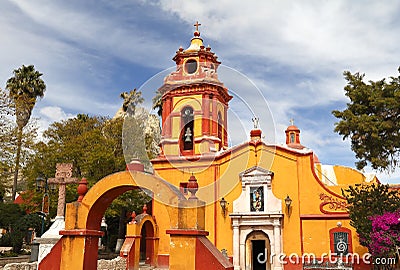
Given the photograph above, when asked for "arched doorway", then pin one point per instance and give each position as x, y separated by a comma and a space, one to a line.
258, 251
146, 243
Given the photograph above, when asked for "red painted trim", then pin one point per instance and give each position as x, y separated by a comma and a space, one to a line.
301, 237
319, 181
52, 260
133, 236
340, 229
209, 257
325, 216
163, 260
82, 232
187, 232
197, 88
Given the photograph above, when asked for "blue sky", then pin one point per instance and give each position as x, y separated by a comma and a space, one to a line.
293, 52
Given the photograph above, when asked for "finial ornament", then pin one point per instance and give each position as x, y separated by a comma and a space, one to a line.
197, 24
291, 121
255, 122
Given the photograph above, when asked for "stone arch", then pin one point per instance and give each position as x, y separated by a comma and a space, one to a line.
82, 220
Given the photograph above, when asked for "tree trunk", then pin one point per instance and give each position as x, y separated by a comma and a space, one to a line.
121, 230
19, 146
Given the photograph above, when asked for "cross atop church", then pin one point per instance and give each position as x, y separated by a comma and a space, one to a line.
255, 122
63, 176
291, 121
197, 24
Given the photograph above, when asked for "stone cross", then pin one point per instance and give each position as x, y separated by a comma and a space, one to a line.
63, 176
292, 121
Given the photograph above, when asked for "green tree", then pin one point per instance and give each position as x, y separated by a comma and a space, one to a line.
90, 143
7, 136
94, 145
366, 201
24, 88
372, 120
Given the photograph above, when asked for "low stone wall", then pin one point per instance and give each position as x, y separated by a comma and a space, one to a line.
19, 259
21, 266
118, 263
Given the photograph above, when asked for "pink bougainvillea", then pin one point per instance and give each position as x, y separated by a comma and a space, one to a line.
385, 235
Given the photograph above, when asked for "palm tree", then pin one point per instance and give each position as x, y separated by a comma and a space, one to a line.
24, 88
157, 102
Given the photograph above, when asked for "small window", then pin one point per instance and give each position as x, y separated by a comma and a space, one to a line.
340, 241
292, 137
191, 66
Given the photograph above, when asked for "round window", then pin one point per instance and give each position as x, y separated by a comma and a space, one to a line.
191, 66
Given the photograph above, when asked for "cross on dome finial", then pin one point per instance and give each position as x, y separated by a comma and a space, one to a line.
197, 24
291, 121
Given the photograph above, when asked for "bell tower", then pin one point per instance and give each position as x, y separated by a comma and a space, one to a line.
194, 103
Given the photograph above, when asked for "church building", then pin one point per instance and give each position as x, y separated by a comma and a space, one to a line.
267, 206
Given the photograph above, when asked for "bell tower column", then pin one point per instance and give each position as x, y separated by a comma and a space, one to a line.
206, 114
214, 131
166, 118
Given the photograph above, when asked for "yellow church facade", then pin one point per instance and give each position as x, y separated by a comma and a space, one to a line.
267, 206
250, 206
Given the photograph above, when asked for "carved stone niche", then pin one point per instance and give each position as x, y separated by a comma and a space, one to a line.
257, 197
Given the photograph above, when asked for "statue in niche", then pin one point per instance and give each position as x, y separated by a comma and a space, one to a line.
257, 199
188, 135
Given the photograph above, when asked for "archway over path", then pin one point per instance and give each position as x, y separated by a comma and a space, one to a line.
82, 219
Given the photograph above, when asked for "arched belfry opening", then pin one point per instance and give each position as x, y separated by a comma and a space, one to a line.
187, 130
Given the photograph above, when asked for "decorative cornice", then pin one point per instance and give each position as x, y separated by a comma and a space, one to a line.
256, 176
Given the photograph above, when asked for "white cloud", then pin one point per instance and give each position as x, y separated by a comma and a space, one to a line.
48, 115
54, 114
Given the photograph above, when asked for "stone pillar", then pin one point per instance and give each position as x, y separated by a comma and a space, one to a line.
191, 224
277, 245
80, 239
236, 245
242, 248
